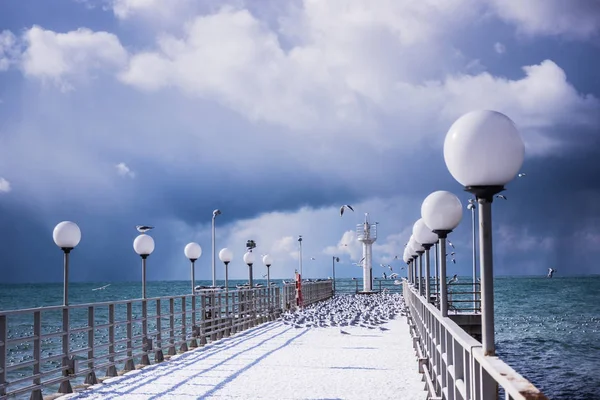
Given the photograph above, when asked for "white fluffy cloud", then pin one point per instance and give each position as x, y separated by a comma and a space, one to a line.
349, 69
4, 185
124, 170
499, 48
57, 57
576, 19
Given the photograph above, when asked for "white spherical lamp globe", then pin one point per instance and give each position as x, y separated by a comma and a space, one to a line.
418, 247
441, 211
484, 148
249, 258
225, 255
143, 245
193, 251
406, 259
66, 235
423, 234
267, 260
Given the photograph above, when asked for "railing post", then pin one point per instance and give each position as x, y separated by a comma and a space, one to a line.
145, 343
90, 379
158, 354
184, 346
36, 394
65, 384
213, 334
193, 341
203, 319
3, 338
129, 364
172, 350
112, 369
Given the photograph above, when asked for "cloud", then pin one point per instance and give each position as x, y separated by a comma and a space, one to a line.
499, 48
124, 170
8, 49
61, 57
4, 185
572, 19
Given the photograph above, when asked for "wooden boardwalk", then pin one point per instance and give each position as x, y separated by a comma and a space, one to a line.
277, 361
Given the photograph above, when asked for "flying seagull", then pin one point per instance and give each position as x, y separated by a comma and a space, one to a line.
522, 174
454, 279
143, 228
101, 287
451, 245
342, 208
312, 258
551, 272
501, 196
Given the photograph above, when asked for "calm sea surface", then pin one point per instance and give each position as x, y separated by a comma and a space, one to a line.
546, 329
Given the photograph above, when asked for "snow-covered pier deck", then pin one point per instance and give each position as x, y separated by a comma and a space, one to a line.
282, 361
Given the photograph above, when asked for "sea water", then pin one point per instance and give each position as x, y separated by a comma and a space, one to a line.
548, 330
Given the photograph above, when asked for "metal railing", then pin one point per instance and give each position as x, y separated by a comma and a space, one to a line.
53, 348
453, 363
312, 292
461, 297
380, 285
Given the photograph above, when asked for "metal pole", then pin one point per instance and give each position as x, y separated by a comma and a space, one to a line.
144, 276
443, 288
268, 276
250, 276
300, 241
421, 273
427, 274
193, 275
214, 269
226, 276
474, 259
333, 267
487, 277
66, 277
437, 285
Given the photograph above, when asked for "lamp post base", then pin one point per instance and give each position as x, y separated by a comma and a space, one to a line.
485, 192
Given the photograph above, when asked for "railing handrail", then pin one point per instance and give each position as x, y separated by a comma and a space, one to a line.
514, 384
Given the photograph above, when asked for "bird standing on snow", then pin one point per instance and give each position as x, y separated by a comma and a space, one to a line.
342, 208
143, 228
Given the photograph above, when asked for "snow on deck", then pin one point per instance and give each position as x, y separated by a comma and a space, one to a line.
277, 361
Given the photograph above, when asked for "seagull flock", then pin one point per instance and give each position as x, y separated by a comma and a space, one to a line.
366, 311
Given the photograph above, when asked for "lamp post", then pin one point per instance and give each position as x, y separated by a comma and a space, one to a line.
483, 151
442, 211
334, 260
471, 206
268, 260
225, 255
193, 251
300, 252
144, 246
214, 268
424, 235
249, 260
419, 250
66, 235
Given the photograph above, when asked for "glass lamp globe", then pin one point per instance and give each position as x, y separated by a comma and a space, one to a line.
66, 235
405, 258
249, 258
422, 233
441, 211
225, 255
484, 148
193, 251
418, 247
143, 245
267, 259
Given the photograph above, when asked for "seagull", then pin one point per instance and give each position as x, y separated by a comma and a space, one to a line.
451, 245
522, 174
342, 208
101, 287
265, 275
453, 261
454, 279
312, 258
143, 228
344, 332
551, 272
501, 196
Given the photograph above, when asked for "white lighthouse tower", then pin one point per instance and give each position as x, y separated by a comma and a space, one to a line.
367, 235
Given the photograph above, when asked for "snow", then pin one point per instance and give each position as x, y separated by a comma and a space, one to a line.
279, 361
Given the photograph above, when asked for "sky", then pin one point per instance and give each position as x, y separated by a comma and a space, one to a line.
115, 113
